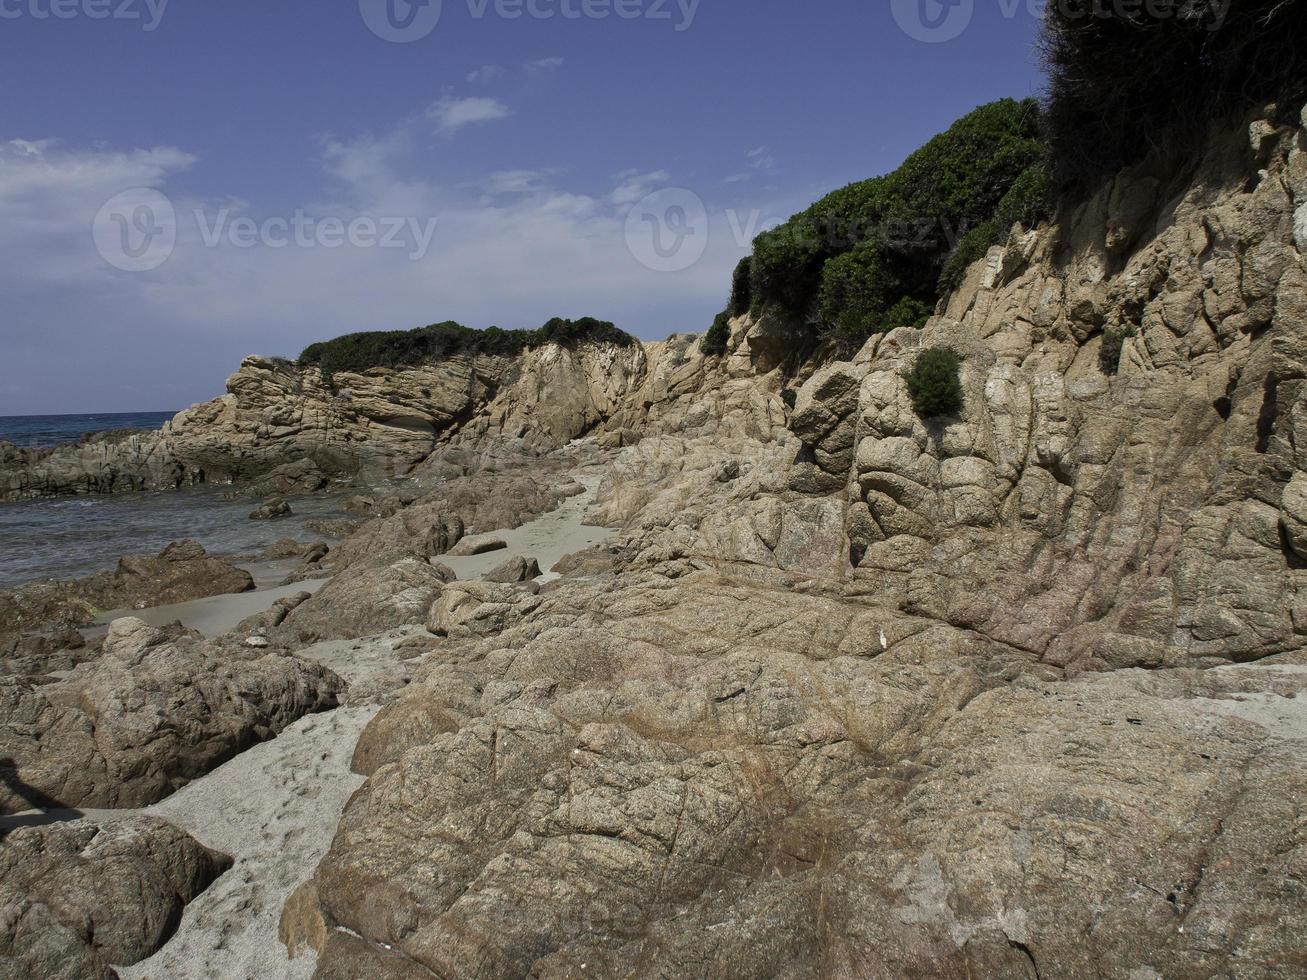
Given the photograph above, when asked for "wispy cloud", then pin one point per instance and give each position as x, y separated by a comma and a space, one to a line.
195, 316
486, 74
633, 185
517, 181
450, 113
544, 64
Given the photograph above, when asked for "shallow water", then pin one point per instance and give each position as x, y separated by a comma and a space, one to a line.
70, 537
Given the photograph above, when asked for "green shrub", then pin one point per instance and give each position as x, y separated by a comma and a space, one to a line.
1124, 81
742, 287
1027, 202
359, 352
1109, 355
846, 261
715, 340
907, 312
970, 248
935, 383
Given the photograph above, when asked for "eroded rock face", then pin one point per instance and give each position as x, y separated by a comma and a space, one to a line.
853, 694
152, 712
717, 778
1147, 517
287, 429
80, 898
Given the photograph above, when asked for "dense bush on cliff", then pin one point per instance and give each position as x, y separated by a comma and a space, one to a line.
742, 287
935, 383
1125, 80
844, 263
719, 334
393, 348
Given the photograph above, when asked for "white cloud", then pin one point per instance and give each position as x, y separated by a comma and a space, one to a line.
760, 158
632, 185
49, 197
450, 113
544, 64
563, 249
485, 74
517, 181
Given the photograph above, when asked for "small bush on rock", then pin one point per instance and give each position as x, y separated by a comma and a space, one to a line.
935, 383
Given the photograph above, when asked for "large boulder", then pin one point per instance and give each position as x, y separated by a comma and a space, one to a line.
763, 780
153, 712
365, 599
515, 571
181, 572
80, 899
479, 608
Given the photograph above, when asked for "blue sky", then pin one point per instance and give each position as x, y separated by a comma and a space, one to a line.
501, 157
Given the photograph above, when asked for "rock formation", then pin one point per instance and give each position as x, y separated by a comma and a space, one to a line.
152, 712
852, 692
288, 429
1016, 693
181, 572
80, 898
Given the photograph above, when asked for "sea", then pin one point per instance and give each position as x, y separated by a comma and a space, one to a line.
68, 537
43, 431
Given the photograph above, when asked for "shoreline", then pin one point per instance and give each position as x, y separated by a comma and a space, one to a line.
275, 807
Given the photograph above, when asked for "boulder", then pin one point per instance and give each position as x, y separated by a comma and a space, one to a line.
80, 899
181, 572
157, 709
1293, 514
366, 599
514, 571
271, 510
479, 609
470, 547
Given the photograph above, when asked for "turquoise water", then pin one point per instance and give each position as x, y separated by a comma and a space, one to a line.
43, 431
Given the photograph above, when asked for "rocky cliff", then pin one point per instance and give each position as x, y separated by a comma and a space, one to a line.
1016, 691
1011, 693
292, 429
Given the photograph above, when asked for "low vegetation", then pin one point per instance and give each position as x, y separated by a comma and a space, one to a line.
715, 341
935, 383
848, 265
1136, 78
359, 352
